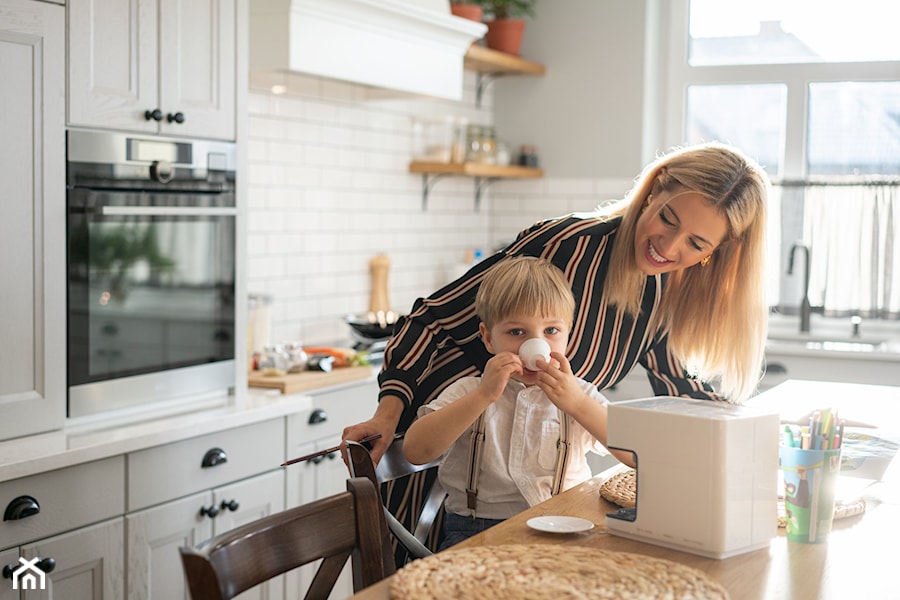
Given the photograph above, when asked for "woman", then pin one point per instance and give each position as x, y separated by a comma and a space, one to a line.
671, 278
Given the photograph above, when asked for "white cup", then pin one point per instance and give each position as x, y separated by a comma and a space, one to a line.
533, 349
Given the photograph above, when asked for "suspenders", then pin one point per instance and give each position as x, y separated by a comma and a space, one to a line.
476, 443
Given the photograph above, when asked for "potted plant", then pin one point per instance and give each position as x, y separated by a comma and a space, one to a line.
505, 23
467, 9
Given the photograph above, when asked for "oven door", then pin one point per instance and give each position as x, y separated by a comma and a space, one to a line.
151, 295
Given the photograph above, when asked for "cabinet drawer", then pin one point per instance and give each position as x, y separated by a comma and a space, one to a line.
165, 472
332, 411
68, 498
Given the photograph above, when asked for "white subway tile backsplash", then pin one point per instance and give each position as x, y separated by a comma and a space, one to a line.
329, 188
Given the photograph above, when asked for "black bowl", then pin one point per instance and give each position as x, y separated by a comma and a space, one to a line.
372, 329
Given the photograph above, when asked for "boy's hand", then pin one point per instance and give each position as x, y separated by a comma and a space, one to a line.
498, 371
559, 383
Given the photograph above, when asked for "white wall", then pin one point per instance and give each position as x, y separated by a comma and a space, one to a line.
329, 186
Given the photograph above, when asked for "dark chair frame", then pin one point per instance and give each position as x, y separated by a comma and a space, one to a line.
346, 525
392, 467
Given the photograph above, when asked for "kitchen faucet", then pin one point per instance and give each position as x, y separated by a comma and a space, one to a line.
805, 308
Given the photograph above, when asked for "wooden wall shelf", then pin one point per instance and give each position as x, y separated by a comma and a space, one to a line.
484, 175
485, 60
490, 64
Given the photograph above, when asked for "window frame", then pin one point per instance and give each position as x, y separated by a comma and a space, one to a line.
795, 77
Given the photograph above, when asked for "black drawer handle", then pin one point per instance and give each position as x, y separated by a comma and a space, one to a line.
45, 564
213, 457
21, 508
231, 505
209, 511
318, 416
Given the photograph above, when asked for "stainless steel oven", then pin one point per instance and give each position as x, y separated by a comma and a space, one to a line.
151, 270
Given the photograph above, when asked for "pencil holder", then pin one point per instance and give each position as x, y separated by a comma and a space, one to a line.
810, 478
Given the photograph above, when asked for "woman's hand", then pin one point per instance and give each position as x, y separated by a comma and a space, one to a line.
384, 421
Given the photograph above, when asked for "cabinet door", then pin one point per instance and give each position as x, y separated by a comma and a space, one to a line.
90, 564
9, 558
197, 61
254, 499
112, 64
153, 537
32, 229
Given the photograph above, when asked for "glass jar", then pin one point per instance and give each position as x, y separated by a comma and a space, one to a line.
473, 143
488, 146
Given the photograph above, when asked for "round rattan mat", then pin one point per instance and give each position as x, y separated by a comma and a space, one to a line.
538, 571
620, 490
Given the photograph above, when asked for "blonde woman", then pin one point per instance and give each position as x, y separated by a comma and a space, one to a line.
670, 278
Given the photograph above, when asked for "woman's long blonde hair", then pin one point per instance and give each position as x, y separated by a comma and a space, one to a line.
715, 315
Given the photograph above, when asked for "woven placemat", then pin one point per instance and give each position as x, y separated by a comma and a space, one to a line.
539, 571
620, 490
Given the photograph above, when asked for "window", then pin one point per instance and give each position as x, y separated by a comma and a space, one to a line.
811, 89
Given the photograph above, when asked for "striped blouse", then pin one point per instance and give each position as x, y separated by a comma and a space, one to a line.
438, 341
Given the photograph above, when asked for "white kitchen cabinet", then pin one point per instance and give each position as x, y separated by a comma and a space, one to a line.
318, 429
840, 367
153, 66
82, 533
88, 564
155, 534
32, 230
188, 491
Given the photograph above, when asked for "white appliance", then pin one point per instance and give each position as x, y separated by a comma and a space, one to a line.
707, 474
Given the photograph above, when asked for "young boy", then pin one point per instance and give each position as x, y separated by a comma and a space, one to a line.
537, 425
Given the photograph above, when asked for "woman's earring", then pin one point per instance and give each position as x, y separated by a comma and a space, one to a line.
705, 260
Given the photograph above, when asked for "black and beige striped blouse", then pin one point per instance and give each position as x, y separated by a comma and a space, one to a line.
438, 341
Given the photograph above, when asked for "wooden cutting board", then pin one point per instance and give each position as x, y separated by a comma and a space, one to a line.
309, 380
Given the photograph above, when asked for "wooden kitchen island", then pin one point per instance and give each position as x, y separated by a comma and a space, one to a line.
858, 560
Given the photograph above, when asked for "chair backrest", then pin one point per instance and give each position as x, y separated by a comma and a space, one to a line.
415, 522
346, 525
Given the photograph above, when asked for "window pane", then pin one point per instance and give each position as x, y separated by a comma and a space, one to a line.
750, 117
854, 128
737, 32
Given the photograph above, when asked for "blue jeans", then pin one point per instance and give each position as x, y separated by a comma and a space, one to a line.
458, 528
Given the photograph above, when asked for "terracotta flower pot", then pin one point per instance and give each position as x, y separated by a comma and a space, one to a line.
505, 35
467, 11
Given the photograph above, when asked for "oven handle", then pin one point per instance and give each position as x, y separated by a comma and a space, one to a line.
169, 211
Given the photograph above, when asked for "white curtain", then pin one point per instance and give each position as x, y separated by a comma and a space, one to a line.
853, 232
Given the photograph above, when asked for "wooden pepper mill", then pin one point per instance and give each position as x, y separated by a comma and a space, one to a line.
379, 304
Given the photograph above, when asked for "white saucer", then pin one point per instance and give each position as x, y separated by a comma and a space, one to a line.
559, 524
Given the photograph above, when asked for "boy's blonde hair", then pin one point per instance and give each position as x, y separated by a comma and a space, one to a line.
521, 286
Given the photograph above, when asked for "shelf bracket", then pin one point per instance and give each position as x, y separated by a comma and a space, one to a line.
482, 80
481, 184
428, 181
427, 184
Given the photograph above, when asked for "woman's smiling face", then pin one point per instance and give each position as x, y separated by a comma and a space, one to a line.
676, 231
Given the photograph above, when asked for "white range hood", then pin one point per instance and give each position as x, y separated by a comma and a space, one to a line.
415, 46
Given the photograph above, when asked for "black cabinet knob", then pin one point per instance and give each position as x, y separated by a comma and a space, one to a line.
209, 511
318, 416
45, 564
175, 117
231, 505
213, 457
21, 508
153, 115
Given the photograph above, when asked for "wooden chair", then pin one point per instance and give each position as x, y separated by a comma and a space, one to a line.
346, 525
423, 500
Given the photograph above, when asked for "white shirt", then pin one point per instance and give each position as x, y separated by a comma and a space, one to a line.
519, 451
